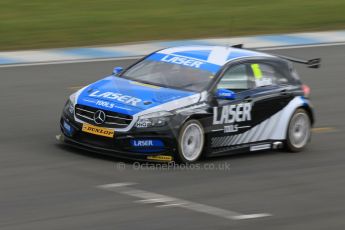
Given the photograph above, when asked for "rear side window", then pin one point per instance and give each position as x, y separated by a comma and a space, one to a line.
236, 78
265, 74
294, 73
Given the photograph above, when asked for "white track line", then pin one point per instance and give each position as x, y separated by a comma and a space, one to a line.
69, 61
140, 56
301, 46
164, 201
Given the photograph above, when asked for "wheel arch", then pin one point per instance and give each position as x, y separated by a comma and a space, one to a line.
200, 116
284, 116
309, 111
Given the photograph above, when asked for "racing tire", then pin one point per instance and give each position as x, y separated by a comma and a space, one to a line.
299, 131
191, 141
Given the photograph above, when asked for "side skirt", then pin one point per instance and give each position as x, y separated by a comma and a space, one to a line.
248, 147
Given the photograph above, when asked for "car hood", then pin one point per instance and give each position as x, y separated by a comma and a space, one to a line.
129, 97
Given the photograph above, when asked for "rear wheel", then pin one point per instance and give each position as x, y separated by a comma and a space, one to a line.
299, 131
191, 141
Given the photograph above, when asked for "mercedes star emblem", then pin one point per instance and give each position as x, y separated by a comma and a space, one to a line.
99, 117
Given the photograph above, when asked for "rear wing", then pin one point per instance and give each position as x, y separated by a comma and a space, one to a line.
312, 63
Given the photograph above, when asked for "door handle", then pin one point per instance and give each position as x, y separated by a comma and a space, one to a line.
248, 99
285, 93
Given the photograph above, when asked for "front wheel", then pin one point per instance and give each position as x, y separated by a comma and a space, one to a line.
191, 141
299, 131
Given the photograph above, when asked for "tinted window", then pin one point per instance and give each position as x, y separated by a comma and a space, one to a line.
265, 74
169, 75
236, 78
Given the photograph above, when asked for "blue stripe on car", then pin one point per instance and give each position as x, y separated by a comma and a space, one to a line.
121, 95
199, 54
238, 53
185, 60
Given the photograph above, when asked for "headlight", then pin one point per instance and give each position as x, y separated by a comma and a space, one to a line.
156, 119
69, 107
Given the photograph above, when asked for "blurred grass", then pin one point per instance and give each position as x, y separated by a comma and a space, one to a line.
28, 24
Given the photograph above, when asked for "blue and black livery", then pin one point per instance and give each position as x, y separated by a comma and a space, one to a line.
186, 102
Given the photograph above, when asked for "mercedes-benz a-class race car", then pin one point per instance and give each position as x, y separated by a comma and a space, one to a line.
183, 103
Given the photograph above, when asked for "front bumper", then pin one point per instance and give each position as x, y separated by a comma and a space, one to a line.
121, 145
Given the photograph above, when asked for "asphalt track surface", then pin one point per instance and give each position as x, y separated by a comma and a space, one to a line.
46, 186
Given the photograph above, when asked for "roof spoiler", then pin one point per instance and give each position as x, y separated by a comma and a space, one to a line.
238, 46
312, 63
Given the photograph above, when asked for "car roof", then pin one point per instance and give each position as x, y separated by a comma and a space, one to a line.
215, 56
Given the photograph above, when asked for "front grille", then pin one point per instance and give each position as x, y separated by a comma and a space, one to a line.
112, 120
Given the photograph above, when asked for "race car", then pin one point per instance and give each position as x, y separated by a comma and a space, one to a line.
184, 103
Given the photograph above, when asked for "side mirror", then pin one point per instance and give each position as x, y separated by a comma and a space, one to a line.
117, 70
225, 94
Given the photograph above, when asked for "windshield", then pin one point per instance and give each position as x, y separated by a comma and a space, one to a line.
169, 75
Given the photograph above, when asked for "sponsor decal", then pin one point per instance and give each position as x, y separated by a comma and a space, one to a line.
146, 143
230, 114
233, 128
160, 158
230, 128
100, 131
225, 94
263, 82
116, 96
182, 61
106, 104
185, 61
143, 124
257, 71
260, 79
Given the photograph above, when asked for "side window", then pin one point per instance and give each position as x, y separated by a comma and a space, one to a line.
265, 74
236, 78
